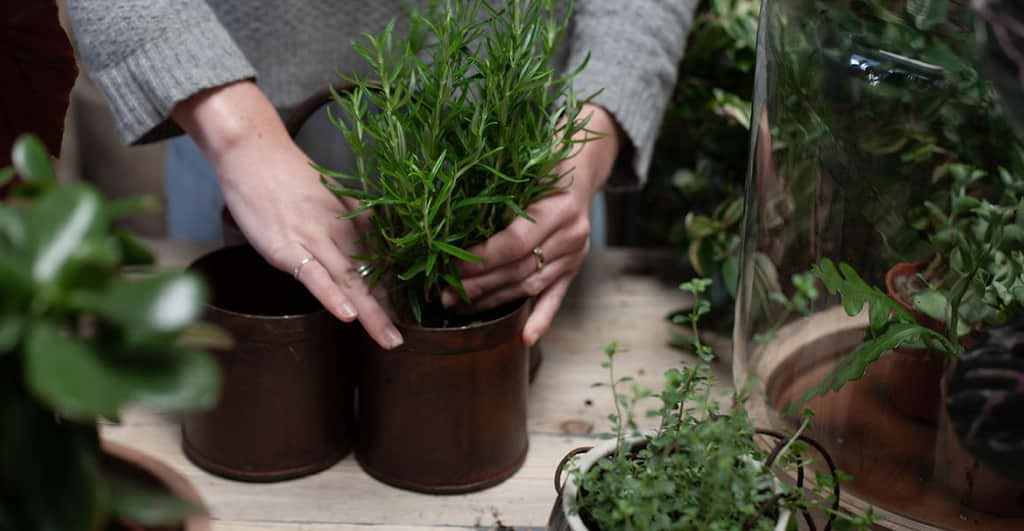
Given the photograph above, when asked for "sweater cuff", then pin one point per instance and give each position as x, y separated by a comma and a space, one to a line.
636, 107
144, 87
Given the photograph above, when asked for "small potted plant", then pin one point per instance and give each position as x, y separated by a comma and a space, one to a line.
79, 342
452, 141
926, 289
986, 266
701, 469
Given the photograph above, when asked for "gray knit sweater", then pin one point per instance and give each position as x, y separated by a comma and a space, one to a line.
148, 55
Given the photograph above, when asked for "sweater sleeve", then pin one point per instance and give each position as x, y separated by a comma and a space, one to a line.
635, 47
148, 55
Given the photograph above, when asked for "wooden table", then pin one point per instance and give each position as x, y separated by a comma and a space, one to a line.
621, 295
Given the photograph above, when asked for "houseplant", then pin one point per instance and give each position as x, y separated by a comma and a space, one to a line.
469, 123
700, 469
78, 343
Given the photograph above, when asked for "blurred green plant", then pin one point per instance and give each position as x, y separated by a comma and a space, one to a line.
78, 343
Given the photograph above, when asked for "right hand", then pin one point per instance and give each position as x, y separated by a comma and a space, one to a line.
279, 203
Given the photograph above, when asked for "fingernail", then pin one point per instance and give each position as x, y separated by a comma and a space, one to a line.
394, 339
347, 311
447, 299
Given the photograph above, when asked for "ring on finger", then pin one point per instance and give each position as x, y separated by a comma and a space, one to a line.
364, 270
538, 255
298, 269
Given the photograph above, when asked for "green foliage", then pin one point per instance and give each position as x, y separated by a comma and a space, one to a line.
77, 343
454, 139
701, 469
700, 159
890, 326
695, 287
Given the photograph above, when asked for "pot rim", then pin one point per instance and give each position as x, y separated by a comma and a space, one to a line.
175, 481
415, 327
602, 450
212, 255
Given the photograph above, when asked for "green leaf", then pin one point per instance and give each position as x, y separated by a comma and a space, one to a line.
150, 504
927, 14
131, 206
6, 176
698, 226
12, 326
856, 293
456, 252
853, 366
158, 305
57, 226
49, 468
133, 251
76, 381
32, 161
731, 274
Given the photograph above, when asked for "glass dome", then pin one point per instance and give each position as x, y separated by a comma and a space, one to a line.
885, 175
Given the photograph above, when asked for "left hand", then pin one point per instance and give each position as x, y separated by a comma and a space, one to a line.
510, 270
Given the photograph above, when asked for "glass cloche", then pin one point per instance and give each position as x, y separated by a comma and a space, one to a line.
882, 276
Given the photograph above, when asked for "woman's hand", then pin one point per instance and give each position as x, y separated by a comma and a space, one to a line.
279, 203
541, 259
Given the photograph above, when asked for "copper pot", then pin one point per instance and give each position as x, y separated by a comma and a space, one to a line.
286, 405
446, 411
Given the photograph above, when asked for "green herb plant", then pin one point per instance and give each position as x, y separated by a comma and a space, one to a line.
701, 469
461, 126
78, 343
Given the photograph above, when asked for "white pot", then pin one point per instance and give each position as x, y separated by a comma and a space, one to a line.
570, 519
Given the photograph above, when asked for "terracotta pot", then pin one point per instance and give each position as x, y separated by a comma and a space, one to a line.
974, 484
150, 470
911, 378
286, 405
565, 517
446, 411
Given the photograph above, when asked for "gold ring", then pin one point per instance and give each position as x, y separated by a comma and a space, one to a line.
298, 268
538, 254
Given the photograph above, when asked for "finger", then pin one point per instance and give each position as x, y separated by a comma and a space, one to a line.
534, 285
517, 240
559, 245
318, 281
374, 318
544, 310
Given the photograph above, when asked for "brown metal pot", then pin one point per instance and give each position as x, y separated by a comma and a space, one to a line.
446, 412
286, 406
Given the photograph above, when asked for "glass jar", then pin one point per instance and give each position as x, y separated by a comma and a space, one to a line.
884, 174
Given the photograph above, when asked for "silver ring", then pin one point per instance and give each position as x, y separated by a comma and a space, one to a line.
538, 254
298, 268
364, 270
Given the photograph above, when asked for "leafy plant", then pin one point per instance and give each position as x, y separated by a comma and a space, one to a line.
79, 342
701, 469
469, 122
693, 198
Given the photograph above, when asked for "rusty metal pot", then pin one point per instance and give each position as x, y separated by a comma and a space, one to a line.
286, 407
446, 411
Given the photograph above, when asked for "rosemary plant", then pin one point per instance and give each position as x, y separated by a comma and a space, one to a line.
461, 125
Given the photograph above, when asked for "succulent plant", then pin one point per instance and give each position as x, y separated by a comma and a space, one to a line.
985, 399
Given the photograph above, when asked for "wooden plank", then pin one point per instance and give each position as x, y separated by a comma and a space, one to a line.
621, 295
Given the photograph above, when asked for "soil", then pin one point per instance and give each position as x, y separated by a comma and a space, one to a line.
437, 316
